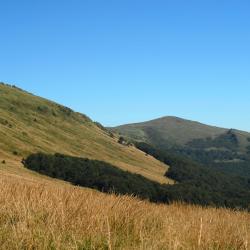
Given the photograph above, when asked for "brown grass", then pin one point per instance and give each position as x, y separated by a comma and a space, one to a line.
45, 214
39, 213
28, 131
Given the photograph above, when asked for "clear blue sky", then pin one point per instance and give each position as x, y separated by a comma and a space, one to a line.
124, 61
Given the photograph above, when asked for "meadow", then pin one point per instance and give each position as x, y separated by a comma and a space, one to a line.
30, 124
43, 213
38, 212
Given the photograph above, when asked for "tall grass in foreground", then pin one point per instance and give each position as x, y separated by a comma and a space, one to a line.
54, 216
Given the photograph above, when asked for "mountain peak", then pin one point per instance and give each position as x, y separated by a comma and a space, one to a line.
174, 130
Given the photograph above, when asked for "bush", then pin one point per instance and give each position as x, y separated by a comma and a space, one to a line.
111, 134
122, 141
43, 109
3, 122
100, 126
65, 110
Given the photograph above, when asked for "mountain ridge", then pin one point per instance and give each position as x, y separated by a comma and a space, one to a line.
180, 119
168, 122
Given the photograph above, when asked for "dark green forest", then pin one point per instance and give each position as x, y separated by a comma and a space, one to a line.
93, 174
230, 162
199, 184
219, 153
195, 184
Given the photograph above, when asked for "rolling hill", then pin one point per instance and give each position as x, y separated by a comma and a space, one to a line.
39, 212
30, 124
175, 131
227, 149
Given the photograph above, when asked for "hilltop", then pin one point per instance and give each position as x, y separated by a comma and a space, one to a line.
226, 149
30, 124
175, 131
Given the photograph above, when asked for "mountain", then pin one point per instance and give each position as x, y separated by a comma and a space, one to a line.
175, 131
228, 149
39, 212
172, 130
30, 124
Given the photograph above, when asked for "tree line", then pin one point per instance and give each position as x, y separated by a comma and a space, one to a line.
195, 185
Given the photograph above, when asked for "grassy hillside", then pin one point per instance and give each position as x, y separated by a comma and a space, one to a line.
171, 129
227, 149
174, 130
196, 184
48, 214
30, 124
37, 212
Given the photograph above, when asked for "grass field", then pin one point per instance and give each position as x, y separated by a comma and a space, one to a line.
30, 124
40, 213
37, 212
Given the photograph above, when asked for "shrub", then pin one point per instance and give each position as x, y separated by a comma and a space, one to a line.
3, 122
111, 134
99, 125
65, 110
43, 109
122, 141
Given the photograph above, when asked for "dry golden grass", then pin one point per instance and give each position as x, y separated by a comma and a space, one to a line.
25, 129
47, 214
37, 212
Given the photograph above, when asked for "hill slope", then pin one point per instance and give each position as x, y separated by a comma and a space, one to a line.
51, 215
174, 130
37, 212
30, 124
228, 149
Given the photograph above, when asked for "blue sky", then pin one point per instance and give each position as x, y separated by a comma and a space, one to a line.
132, 60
